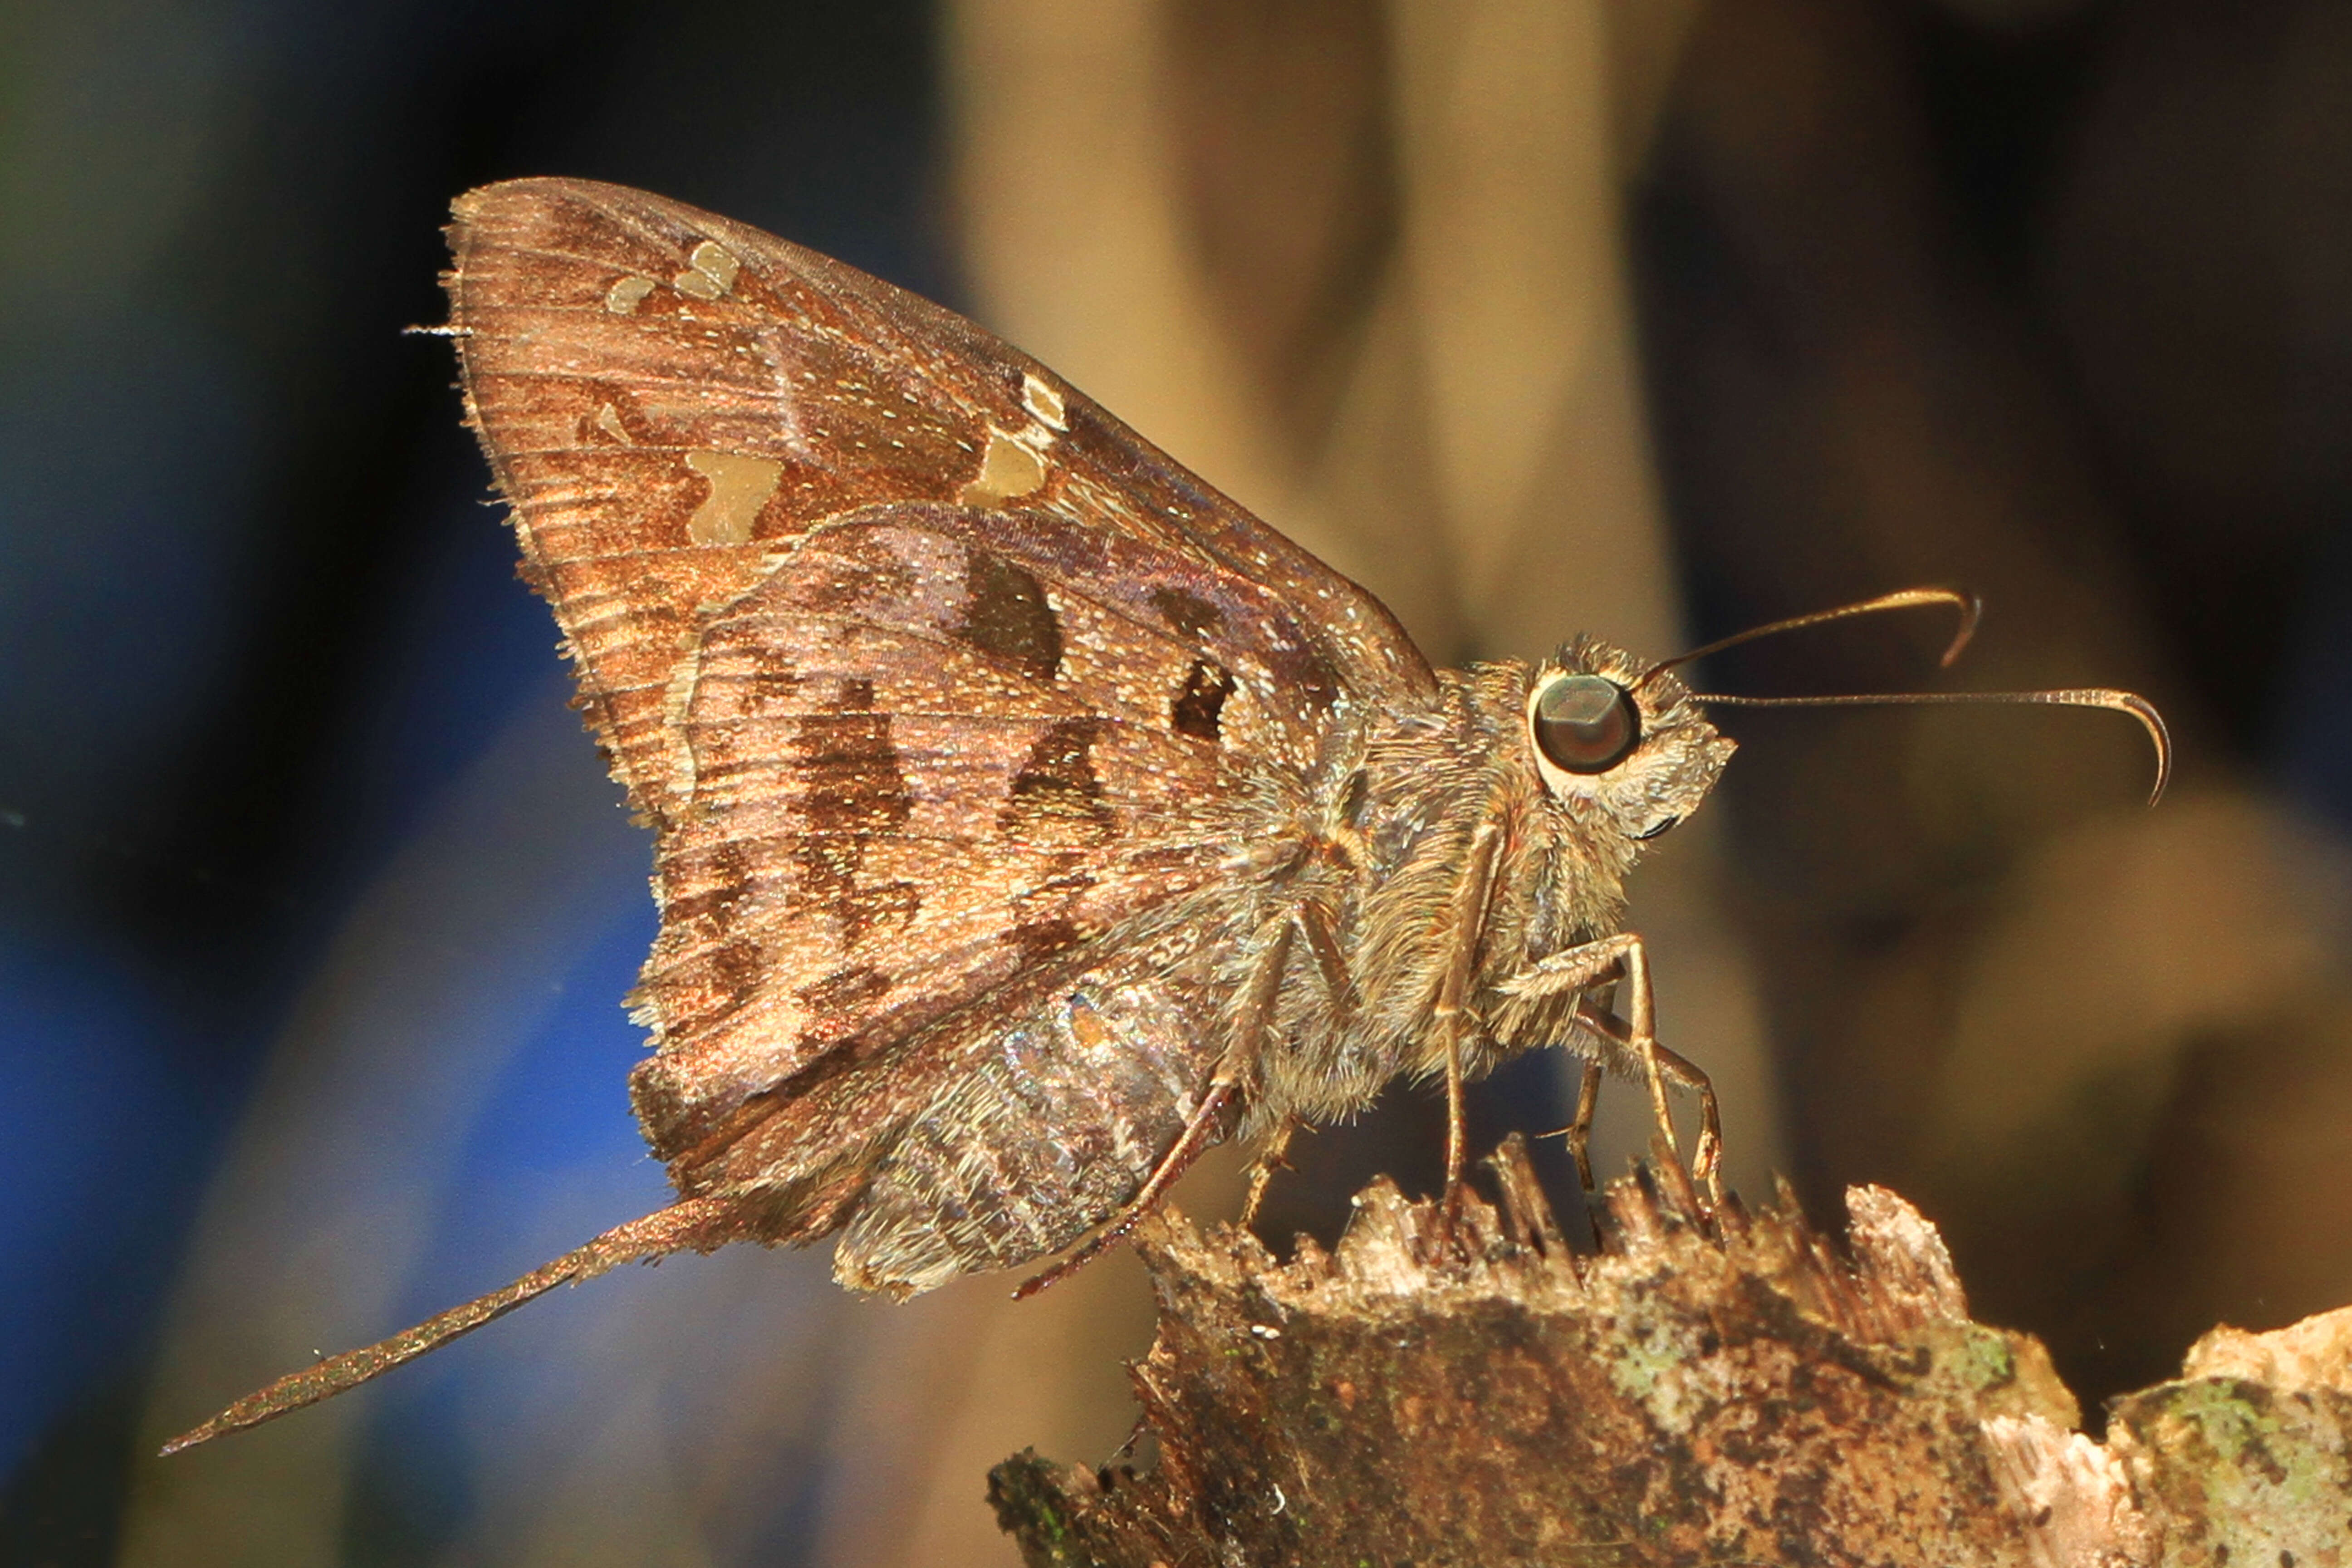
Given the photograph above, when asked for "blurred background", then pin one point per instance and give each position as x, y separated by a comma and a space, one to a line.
1655, 318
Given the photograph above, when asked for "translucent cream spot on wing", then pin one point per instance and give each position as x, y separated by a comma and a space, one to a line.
1008, 470
1045, 403
624, 296
608, 420
739, 486
710, 272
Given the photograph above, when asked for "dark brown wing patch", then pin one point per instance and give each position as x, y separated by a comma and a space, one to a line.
1056, 795
1005, 613
1201, 699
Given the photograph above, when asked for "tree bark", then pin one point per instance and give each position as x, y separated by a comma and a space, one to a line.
1706, 1389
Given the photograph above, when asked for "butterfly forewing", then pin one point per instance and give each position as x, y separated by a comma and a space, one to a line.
660, 436
946, 692
668, 398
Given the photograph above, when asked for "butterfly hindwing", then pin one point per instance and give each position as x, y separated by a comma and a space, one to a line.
900, 807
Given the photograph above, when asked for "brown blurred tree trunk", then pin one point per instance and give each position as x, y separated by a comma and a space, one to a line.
1724, 1390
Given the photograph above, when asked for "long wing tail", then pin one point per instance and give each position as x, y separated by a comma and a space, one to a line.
700, 1223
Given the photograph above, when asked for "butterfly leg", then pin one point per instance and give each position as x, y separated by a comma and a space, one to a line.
1470, 899
1237, 1068
1579, 1132
1640, 1024
1578, 969
1706, 1156
1313, 922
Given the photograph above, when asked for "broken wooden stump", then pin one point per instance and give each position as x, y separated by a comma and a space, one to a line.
1729, 1389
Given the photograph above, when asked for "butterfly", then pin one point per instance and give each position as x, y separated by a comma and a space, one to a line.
1028, 815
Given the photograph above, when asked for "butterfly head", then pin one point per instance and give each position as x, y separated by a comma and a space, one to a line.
1617, 738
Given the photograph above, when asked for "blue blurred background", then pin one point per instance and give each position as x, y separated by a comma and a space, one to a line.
1921, 290
255, 619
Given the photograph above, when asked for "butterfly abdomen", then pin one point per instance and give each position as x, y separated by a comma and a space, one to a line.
1045, 1137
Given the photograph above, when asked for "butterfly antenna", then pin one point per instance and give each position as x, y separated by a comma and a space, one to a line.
1967, 603
1969, 608
2138, 707
698, 1223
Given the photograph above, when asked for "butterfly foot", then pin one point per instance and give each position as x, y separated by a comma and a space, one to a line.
1126, 1450
1446, 1236
1578, 1140
1672, 1178
1262, 1169
1707, 1169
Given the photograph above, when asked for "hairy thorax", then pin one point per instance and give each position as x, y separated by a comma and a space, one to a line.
1401, 832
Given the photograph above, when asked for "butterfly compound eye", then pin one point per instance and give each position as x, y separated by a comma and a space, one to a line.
1586, 725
